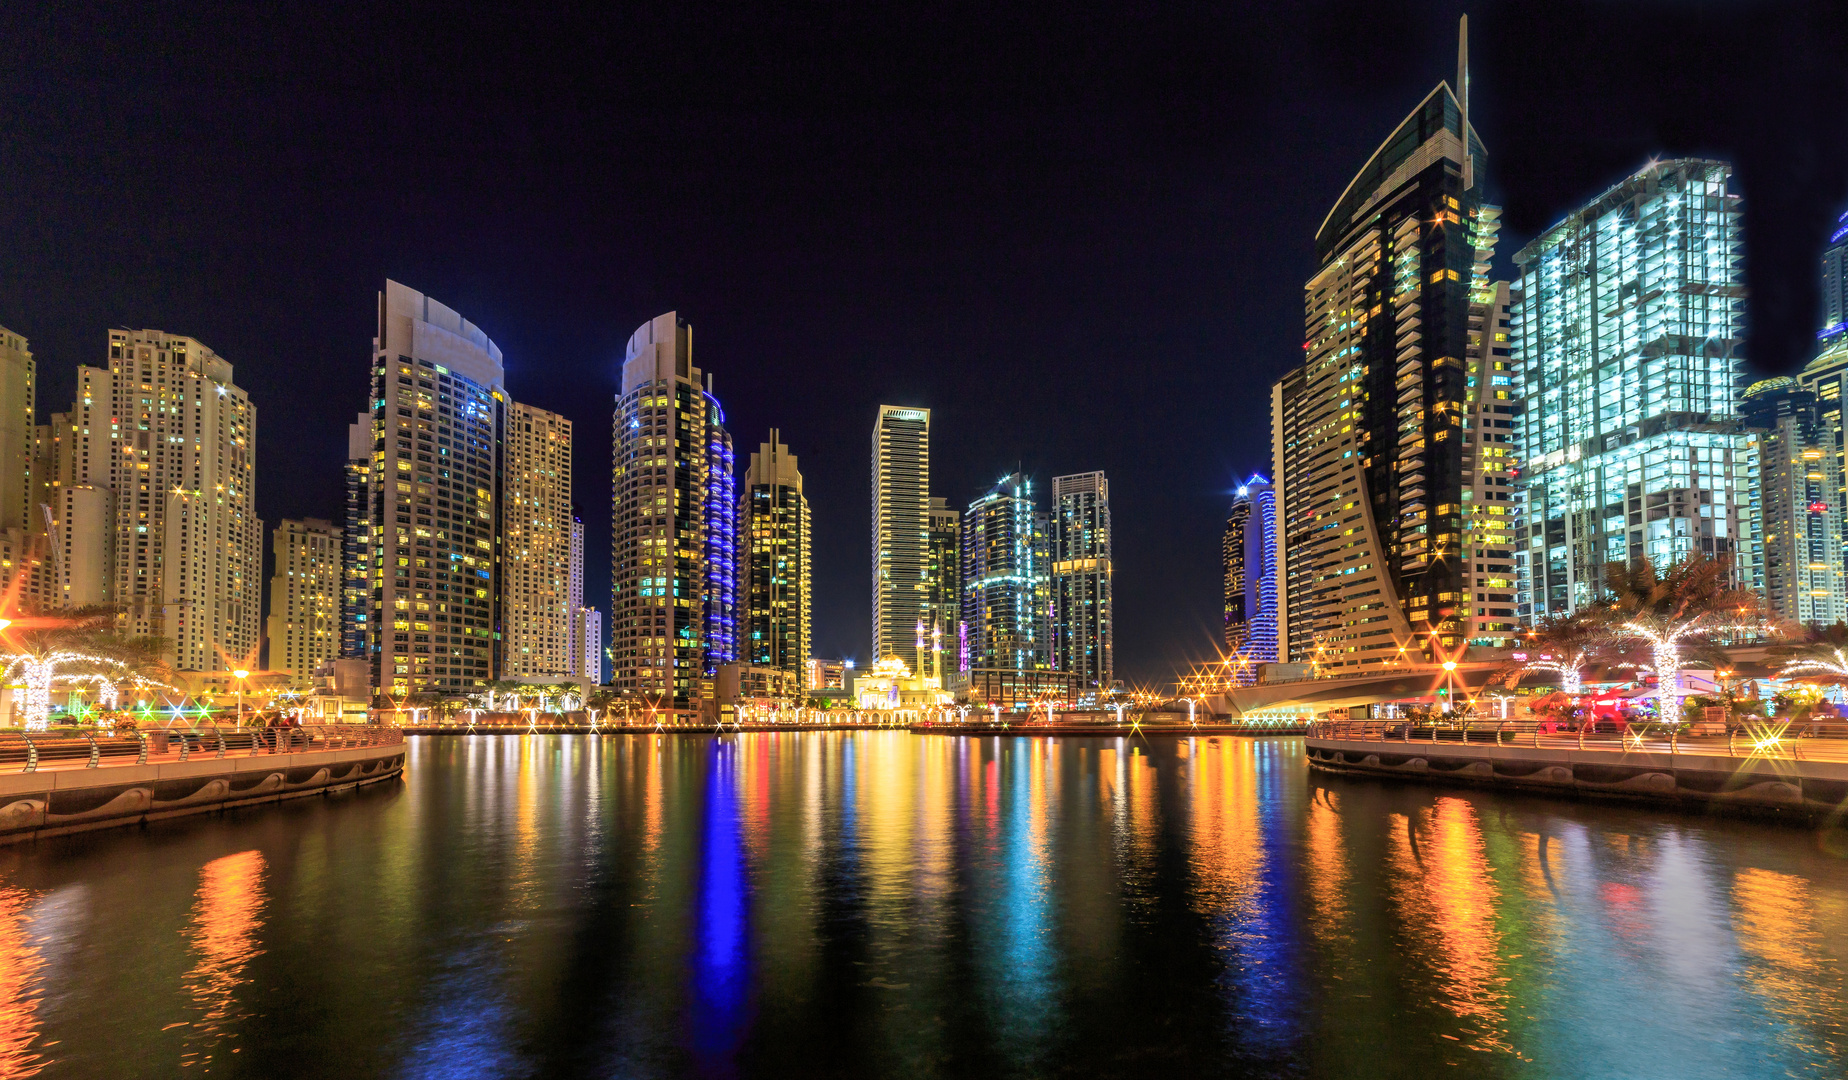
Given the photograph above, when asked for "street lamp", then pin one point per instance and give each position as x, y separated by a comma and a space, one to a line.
1450, 682
241, 674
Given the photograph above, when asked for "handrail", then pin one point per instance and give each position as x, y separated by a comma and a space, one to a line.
1776, 738
23, 751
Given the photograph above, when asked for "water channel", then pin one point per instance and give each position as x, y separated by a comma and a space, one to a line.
876, 904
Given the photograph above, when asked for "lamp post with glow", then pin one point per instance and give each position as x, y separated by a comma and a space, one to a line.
242, 674
1450, 684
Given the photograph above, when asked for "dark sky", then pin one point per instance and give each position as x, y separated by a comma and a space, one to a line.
1078, 234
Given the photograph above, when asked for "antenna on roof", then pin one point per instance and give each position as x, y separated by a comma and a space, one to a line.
1469, 171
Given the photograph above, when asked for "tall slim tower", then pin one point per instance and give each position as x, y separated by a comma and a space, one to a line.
156, 507
1372, 466
536, 533
304, 596
1835, 285
1627, 328
356, 542
1248, 552
901, 532
942, 592
439, 413
773, 535
673, 572
1083, 618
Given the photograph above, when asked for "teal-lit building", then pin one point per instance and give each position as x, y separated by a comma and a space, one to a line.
1005, 590
1627, 326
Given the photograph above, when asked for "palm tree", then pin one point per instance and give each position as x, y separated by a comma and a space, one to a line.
1566, 644
79, 643
1690, 603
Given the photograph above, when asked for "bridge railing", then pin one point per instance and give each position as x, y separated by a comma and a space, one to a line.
30, 751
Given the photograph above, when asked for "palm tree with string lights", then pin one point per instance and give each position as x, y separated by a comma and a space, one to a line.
1566, 645
79, 644
1673, 612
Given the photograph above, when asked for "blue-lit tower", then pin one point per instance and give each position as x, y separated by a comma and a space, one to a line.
1835, 285
1005, 597
720, 508
1249, 553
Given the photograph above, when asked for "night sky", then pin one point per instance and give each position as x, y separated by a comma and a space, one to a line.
1079, 235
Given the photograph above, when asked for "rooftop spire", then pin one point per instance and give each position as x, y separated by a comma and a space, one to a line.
1469, 159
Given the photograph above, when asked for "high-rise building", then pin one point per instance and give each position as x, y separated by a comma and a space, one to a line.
1083, 616
587, 639
1799, 479
773, 541
1835, 285
439, 413
26, 581
1491, 469
356, 543
18, 430
1369, 434
942, 592
901, 532
536, 527
1827, 378
1005, 592
1627, 328
305, 596
1248, 554
153, 499
673, 572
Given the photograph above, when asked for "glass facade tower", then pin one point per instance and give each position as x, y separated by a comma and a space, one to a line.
1799, 478
1368, 437
1627, 331
1248, 553
1004, 586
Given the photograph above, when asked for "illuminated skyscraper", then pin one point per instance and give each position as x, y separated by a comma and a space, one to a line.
773, 538
1835, 285
1799, 479
356, 543
536, 535
1083, 614
26, 577
1369, 434
1248, 553
1627, 331
942, 592
901, 532
154, 502
1005, 592
1491, 469
1827, 378
304, 596
439, 414
673, 596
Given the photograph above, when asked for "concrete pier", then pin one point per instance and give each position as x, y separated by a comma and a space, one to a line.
1779, 783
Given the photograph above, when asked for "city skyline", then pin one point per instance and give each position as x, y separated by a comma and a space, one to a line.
1211, 322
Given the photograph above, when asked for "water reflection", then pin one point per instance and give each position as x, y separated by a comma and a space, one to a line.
20, 964
227, 918
881, 904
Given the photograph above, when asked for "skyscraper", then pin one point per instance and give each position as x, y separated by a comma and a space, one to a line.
154, 501
1799, 478
1004, 585
536, 525
901, 531
26, 580
304, 596
1491, 469
587, 638
1248, 553
773, 540
673, 561
439, 413
942, 592
1627, 332
356, 543
1369, 440
1083, 615
1835, 285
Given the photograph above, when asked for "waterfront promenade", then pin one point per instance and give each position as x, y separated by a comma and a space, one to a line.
1771, 766
53, 783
